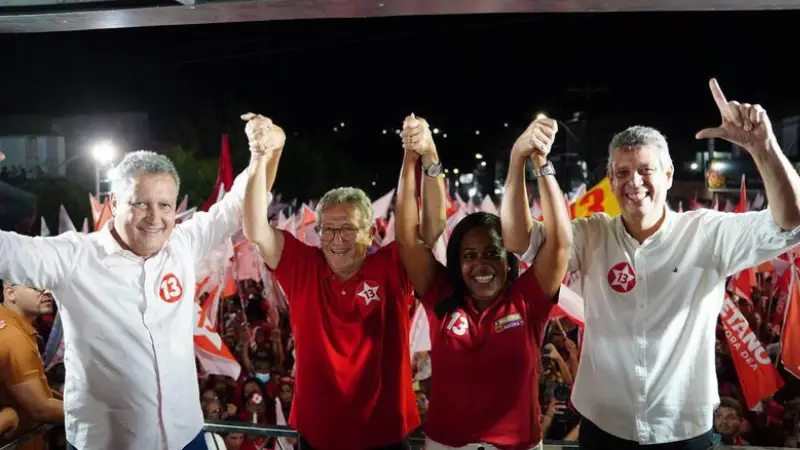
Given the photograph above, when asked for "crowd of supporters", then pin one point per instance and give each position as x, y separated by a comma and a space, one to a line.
263, 393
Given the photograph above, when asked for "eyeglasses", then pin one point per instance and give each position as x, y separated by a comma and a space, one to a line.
327, 234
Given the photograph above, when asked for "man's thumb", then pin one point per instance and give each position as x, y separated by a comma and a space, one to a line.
709, 133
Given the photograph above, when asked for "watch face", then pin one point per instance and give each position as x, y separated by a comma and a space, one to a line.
433, 170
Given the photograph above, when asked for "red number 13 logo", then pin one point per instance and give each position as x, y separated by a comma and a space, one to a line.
170, 289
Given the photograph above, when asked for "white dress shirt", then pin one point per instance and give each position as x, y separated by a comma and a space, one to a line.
131, 379
647, 370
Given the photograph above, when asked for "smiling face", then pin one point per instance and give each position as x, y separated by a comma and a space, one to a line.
344, 238
484, 263
640, 183
144, 213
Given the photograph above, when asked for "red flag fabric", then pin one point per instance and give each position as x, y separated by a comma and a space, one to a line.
742, 205
758, 377
790, 345
225, 174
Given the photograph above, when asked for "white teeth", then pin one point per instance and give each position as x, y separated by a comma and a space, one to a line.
484, 278
637, 195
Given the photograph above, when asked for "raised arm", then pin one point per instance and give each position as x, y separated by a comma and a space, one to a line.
35, 261
515, 212
434, 205
206, 231
266, 144
749, 127
553, 258
417, 256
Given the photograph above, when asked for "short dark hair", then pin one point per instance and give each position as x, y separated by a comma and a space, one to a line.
3, 284
730, 402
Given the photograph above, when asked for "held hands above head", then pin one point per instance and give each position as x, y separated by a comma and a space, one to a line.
417, 137
264, 137
537, 140
743, 124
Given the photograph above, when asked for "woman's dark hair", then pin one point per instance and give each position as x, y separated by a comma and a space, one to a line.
480, 219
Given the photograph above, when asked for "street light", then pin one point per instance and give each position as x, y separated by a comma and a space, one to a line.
103, 153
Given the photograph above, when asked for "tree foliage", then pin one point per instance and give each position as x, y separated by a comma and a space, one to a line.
51, 193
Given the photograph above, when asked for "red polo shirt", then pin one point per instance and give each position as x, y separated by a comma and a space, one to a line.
486, 364
353, 387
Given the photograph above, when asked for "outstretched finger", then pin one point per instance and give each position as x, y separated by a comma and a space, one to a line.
248, 116
719, 98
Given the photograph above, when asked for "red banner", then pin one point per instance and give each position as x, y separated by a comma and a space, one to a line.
758, 376
790, 344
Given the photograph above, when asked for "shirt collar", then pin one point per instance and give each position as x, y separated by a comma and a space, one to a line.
108, 243
666, 226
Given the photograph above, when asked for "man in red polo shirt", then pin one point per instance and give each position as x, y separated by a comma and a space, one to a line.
349, 313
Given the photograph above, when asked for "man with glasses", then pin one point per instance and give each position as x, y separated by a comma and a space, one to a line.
349, 312
23, 384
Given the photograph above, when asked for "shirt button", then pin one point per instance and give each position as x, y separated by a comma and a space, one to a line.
343, 292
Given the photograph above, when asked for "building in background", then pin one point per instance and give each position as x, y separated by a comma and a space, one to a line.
61, 146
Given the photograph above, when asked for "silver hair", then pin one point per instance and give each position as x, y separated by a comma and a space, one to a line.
638, 136
141, 161
347, 196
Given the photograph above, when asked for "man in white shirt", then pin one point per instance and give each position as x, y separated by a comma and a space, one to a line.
126, 298
653, 282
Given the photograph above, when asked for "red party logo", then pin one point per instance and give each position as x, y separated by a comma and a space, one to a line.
621, 277
170, 288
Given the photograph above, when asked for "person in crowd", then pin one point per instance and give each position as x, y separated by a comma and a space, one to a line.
654, 281
349, 317
126, 298
23, 384
487, 320
234, 441
728, 423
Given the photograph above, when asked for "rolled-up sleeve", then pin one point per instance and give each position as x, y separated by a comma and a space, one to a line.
745, 240
581, 230
205, 231
39, 262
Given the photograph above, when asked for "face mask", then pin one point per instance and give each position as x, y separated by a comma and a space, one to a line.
262, 377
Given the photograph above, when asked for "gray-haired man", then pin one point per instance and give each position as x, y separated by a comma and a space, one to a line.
126, 299
654, 284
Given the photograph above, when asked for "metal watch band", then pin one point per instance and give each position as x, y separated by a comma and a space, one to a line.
545, 170
433, 170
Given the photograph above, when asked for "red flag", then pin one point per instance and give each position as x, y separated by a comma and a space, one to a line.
225, 174
758, 376
742, 205
790, 346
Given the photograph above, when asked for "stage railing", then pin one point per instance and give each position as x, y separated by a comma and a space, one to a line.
417, 440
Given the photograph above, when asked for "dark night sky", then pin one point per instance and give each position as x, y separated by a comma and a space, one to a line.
462, 73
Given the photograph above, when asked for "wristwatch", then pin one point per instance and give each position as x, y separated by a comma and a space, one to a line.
545, 170
433, 170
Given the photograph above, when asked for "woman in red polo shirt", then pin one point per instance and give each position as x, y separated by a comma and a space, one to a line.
486, 319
